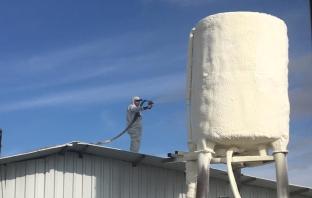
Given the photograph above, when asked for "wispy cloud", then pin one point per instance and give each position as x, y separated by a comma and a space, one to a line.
301, 102
300, 72
63, 79
181, 2
151, 87
56, 58
85, 62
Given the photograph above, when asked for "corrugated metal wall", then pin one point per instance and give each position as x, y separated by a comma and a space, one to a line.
71, 176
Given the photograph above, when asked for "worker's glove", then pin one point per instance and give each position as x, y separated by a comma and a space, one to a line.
150, 104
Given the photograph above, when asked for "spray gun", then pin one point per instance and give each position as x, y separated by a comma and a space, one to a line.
149, 104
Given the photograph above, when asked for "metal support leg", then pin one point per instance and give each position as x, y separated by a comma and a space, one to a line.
202, 189
281, 175
237, 174
191, 178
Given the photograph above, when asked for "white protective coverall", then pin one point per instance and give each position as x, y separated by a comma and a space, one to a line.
135, 131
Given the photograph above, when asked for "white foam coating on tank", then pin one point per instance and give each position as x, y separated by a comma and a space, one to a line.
239, 80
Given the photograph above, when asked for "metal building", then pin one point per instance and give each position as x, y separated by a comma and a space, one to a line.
81, 170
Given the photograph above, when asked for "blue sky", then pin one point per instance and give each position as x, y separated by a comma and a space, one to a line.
69, 69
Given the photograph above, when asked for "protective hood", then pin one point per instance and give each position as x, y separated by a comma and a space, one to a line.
135, 98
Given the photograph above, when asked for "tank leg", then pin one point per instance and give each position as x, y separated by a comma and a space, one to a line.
202, 189
281, 174
237, 174
191, 178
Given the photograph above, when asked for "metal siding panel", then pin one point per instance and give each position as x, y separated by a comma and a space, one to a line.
49, 177
218, 188
151, 182
267, 193
125, 179
172, 183
254, 192
222, 188
271, 193
180, 184
2, 180
161, 183
154, 182
87, 182
143, 181
10, 182
20, 180
246, 191
166, 182
97, 193
68, 175
59, 176
250, 192
134, 182
176, 185
261, 193
39, 186
299, 196
30, 178
78, 172
243, 191
169, 188
93, 178
106, 178
184, 185
116, 181
212, 187
228, 188
179, 187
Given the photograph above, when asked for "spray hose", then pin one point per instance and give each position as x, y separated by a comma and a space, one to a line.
136, 116
229, 154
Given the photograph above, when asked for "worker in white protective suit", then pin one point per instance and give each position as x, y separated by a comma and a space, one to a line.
135, 130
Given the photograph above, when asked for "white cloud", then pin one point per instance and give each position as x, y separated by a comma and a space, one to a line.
57, 58
63, 79
300, 72
85, 62
181, 2
107, 121
152, 87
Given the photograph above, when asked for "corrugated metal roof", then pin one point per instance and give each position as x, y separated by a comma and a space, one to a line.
92, 149
135, 158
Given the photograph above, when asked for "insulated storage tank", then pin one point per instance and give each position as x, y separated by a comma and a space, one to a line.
238, 81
